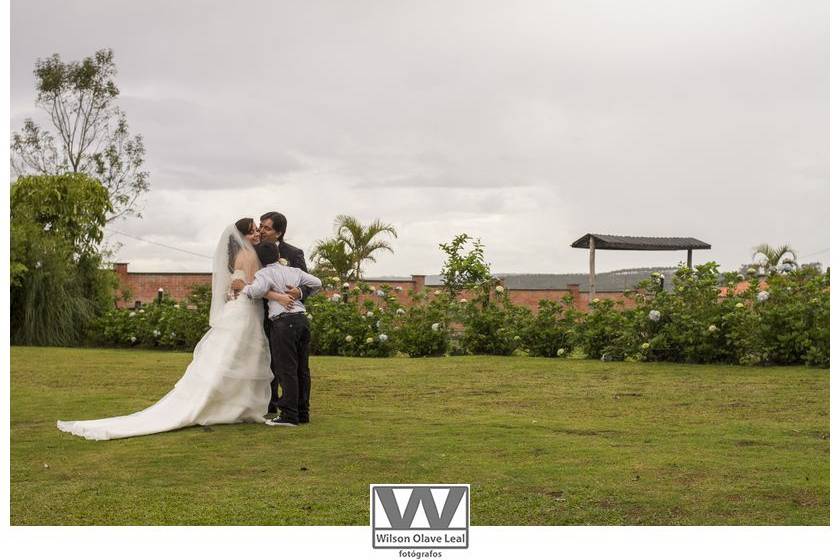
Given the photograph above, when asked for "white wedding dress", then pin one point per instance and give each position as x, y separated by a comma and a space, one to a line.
226, 382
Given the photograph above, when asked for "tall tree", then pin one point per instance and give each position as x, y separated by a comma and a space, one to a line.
57, 283
91, 131
773, 257
361, 239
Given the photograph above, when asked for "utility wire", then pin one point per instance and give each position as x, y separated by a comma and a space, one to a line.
156, 243
816, 253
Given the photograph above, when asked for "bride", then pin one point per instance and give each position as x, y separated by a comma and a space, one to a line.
229, 377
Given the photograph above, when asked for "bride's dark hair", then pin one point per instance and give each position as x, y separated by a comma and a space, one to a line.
243, 225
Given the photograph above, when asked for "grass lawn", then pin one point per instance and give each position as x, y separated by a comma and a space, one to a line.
542, 442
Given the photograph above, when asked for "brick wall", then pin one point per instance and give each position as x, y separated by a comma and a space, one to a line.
144, 288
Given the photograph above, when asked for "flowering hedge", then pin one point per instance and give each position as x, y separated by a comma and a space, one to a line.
167, 324
785, 321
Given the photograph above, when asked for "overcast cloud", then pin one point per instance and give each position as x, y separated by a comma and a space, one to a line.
527, 124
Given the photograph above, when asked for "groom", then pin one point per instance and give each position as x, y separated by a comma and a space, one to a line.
273, 229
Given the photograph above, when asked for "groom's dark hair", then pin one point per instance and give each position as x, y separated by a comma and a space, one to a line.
278, 222
268, 253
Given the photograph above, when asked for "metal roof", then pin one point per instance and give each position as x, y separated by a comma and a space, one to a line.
614, 281
632, 243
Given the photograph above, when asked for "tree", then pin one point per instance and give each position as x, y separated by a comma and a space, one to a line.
774, 257
57, 285
464, 270
361, 240
331, 258
92, 132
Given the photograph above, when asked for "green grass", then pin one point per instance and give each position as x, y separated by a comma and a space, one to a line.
542, 442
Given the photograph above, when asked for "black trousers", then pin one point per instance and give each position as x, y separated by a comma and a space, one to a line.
289, 341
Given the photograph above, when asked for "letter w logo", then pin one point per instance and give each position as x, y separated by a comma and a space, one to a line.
420, 495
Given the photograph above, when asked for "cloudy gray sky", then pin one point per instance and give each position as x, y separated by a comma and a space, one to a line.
527, 124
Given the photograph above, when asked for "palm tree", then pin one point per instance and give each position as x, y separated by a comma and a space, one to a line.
330, 258
775, 256
361, 239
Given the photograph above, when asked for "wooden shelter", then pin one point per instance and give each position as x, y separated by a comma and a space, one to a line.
593, 241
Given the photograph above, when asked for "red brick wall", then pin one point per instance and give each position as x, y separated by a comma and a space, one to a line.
178, 285
144, 285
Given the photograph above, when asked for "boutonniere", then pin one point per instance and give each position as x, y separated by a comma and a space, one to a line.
283, 261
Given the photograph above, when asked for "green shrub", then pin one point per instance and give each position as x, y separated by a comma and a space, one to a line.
424, 328
550, 332
342, 325
492, 324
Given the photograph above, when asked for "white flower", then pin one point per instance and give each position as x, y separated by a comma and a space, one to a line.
368, 340
369, 314
335, 298
462, 300
712, 328
348, 338
645, 345
336, 279
654, 315
400, 311
435, 326
561, 351
309, 316
176, 306
380, 293
172, 335
142, 311
346, 285
378, 324
517, 337
38, 264
763, 296
383, 338
47, 227
741, 277
500, 289
398, 288
133, 339
596, 300
750, 270
437, 292
132, 314
283, 261
156, 333
739, 305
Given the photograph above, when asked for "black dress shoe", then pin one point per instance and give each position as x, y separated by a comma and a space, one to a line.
272, 409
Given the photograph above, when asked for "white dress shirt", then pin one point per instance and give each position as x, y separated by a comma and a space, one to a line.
277, 277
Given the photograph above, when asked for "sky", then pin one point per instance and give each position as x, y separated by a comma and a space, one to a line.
526, 124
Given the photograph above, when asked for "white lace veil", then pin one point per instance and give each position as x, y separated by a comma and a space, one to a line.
230, 244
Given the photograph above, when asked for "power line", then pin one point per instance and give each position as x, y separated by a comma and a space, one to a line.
156, 243
816, 253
